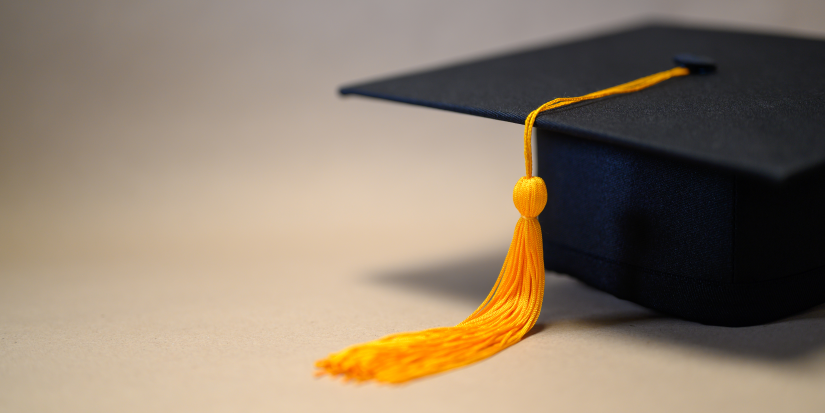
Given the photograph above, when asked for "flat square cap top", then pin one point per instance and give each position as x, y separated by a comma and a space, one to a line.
762, 112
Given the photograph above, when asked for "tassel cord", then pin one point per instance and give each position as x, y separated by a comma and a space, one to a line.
632, 86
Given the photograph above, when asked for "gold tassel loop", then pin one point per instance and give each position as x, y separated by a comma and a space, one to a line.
629, 87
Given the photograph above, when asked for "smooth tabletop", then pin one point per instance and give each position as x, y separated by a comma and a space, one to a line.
179, 231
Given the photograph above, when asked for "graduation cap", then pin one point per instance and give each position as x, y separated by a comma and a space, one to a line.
700, 196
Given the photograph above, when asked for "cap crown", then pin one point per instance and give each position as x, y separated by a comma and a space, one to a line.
762, 112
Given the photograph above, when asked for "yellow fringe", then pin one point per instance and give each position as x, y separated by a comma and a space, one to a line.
509, 311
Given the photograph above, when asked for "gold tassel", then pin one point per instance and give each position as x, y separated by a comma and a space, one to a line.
509, 311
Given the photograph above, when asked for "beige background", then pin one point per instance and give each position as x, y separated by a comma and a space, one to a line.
190, 216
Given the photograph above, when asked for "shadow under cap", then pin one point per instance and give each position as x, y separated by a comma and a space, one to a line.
570, 302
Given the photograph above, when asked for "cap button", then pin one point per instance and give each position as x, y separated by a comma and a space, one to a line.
698, 65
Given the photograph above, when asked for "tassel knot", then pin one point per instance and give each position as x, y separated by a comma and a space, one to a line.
530, 196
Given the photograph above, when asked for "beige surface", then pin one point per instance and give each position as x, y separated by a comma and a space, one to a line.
189, 217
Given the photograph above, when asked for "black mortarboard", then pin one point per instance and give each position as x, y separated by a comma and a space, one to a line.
701, 197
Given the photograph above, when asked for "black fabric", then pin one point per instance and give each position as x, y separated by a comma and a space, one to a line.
699, 243
780, 228
703, 301
762, 112
641, 210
